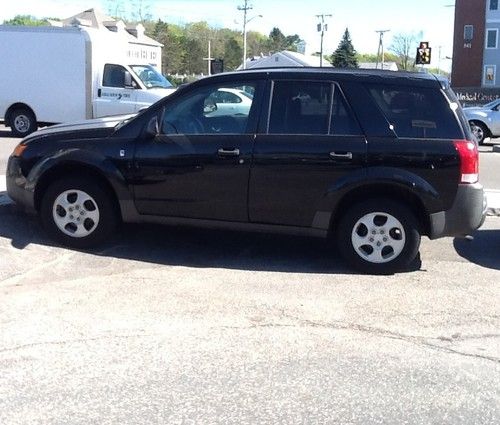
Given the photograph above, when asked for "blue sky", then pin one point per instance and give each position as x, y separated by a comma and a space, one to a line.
432, 18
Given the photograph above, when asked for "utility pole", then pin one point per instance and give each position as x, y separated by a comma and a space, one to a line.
209, 59
322, 27
380, 51
245, 8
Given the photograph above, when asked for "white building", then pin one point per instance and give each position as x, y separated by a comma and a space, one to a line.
388, 66
285, 59
137, 45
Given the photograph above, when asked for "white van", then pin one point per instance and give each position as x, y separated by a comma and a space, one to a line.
52, 75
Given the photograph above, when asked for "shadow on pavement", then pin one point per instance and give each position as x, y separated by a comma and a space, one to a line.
168, 245
483, 250
188, 247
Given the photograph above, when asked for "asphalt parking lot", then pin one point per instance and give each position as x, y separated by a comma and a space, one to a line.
172, 325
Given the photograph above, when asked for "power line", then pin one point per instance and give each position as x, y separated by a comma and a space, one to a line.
245, 8
380, 51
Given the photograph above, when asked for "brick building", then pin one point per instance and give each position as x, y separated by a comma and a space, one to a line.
476, 47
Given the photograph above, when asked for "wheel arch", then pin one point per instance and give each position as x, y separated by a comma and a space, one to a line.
390, 191
76, 168
480, 121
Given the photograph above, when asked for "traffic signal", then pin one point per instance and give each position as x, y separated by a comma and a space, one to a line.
216, 66
423, 54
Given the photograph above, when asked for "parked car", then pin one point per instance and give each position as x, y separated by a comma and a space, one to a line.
484, 120
227, 101
372, 159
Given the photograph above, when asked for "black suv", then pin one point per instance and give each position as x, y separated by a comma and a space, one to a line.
372, 159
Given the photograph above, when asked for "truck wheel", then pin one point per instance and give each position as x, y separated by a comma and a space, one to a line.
22, 122
77, 212
480, 131
378, 236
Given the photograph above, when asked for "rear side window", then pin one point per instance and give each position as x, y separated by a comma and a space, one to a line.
342, 122
300, 107
307, 107
417, 112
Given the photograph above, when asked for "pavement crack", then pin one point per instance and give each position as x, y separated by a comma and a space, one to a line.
414, 339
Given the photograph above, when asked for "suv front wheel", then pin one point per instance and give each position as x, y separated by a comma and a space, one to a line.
378, 236
78, 212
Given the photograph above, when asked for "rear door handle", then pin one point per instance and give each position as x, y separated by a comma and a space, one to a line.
228, 152
341, 155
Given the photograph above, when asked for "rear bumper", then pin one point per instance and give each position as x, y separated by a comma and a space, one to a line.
466, 215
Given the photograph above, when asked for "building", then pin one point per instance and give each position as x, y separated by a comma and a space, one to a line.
138, 46
476, 47
387, 66
285, 59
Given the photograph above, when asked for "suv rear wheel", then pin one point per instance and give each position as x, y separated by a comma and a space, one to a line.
78, 212
378, 236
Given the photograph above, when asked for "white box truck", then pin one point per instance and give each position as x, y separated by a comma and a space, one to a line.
52, 75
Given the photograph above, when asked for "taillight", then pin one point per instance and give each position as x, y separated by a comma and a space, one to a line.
469, 161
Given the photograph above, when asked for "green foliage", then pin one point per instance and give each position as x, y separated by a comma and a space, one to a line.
278, 41
26, 20
185, 46
345, 55
369, 57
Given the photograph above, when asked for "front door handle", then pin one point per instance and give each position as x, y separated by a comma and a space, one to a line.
228, 152
341, 155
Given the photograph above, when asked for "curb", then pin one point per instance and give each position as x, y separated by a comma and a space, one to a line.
496, 148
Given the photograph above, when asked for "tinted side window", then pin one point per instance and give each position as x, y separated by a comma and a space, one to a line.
113, 76
300, 107
417, 112
207, 111
342, 122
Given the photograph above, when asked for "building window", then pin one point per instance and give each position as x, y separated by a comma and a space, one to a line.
490, 75
493, 4
491, 39
468, 33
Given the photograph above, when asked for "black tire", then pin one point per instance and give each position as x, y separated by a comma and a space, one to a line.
480, 131
394, 243
92, 212
22, 122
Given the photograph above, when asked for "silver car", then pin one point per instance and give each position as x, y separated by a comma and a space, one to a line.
484, 120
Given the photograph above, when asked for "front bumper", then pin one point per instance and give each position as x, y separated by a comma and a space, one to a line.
467, 213
18, 187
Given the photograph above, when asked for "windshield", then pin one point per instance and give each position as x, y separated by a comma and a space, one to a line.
151, 77
491, 104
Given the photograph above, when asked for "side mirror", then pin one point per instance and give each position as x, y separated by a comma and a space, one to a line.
152, 128
128, 80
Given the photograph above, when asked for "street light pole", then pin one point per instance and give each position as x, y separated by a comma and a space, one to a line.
245, 8
322, 27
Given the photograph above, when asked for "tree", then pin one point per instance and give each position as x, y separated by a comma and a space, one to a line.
233, 54
26, 20
345, 55
404, 47
279, 41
